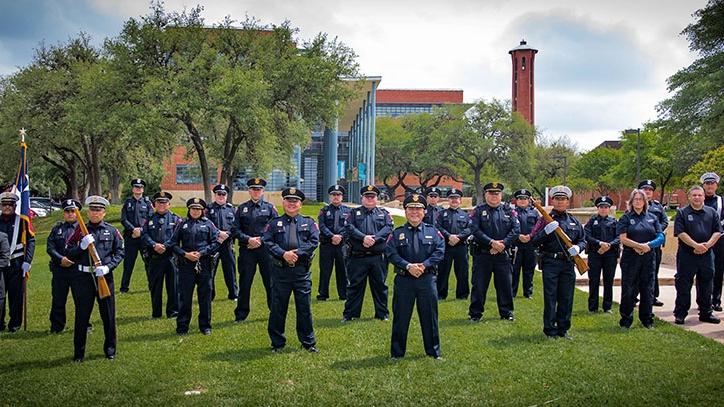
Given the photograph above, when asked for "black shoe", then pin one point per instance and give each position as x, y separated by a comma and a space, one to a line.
110, 353
239, 320
717, 308
206, 332
56, 331
321, 298
566, 336
658, 303
508, 317
232, 297
277, 349
182, 333
155, 316
607, 311
462, 298
649, 325
124, 290
438, 357
77, 360
172, 315
593, 311
385, 318
679, 321
345, 320
709, 319
343, 298
312, 349
110, 357
530, 296
13, 329
551, 336
475, 319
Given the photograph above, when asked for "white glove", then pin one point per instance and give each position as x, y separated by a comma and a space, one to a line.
574, 250
551, 227
86, 241
26, 268
101, 270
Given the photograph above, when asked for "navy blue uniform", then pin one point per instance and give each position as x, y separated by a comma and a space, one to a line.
524, 255
110, 247
161, 267
13, 274
638, 272
431, 214
250, 220
599, 230
61, 277
194, 235
285, 233
717, 203
559, 278
659, 211
700, 225
421, 244
332, 221
4, 262
488, 224
367, 262
135, 214
223, 217
454, 222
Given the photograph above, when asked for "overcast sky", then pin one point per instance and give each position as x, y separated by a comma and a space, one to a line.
601, 67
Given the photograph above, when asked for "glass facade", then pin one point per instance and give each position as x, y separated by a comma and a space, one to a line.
191, 174
400, 109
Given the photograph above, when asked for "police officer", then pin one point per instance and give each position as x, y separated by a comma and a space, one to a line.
194, 242
249, 223
332, 249
559, 278
640, 233
710, 182
221, 213
454, 224
432, 210
368, 228
655, 207
603, 244
698, 228
4, 262
291, 240
415, 249
21, 256
110, 248
63, 270
161, 264
137, 209
524, 256
495, 228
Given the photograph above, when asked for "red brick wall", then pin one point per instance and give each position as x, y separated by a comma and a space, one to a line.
523, 88
169, 180
411, 96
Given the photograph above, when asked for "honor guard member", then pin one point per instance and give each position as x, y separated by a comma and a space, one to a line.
4, 262
524, 256
136, 211
655, 207
698, 228
291, 239
195, 242
109, 246
433, 210
454, 224
495, 227
415, 249
221, 213
332, 249
249, 223
602, 246
559, 278
710, 182
368, 228
21, 256
161, 264
63, 270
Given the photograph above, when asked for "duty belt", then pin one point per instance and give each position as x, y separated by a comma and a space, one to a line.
556, 255
86, 269
276, 262
364, 254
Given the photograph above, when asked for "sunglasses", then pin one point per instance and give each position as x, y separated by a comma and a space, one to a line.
221, 193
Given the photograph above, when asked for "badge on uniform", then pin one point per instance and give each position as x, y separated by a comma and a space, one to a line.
211, 212
444, 214
280, 223
595, 222
150, 223
402, 236
485, 213
245, 209
633, 222
359, 213
186, 226
690, 217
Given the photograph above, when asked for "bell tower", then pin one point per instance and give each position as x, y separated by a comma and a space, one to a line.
523, 99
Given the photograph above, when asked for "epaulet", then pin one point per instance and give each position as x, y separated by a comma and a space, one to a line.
204, 218
229, 205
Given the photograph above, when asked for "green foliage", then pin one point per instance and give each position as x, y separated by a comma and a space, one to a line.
551, 160
598, 168
713, 161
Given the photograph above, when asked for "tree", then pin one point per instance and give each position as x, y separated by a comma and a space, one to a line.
598, 167
392, 153
549, 164
713, 161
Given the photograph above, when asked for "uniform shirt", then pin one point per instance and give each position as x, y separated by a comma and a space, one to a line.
431, 214
4, 250
551, 243
602, 229
159, 229
454, 222
641, 228
222, 216
58, 238
422, 244
108, 243
332, 221
499, 223
7, 226
658, 210
251, 219
195, 235
699, 224
527, 217
717, 203
135, 213
278, 239
362, 222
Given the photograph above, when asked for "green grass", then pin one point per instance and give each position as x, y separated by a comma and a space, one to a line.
493, 362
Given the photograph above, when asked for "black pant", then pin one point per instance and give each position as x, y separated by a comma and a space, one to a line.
227, 259
524, 260
637, 276
498, 267
285, 281
559, 281
689, 265
458, 256
162, 269
331, 256
133, 247
60, 283
2, 300
718, 274
188, 278
83, 288
407, 290
596, 265
13, 276
359, 269
248, 260
658, 253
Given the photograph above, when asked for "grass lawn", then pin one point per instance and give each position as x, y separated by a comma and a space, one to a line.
492, 362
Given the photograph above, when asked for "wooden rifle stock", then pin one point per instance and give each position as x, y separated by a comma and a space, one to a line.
581, 264
103, 290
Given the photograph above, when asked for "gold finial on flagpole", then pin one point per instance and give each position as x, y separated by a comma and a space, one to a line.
22, 135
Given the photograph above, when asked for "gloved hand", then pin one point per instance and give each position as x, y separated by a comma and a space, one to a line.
551, 227
26, 268
86, 241
574, 250
101, 270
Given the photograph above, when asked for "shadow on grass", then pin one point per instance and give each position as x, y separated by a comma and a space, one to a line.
132, 320
459, 322
152, 336
331, 322
23, 335
517, 340
242, 355
48, 363
231, 323
371, 362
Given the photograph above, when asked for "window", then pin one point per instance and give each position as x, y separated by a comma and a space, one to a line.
191, 174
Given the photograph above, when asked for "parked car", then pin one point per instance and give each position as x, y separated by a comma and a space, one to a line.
45, 202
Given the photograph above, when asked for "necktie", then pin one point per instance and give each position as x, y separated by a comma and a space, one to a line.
369, 225
293, 241
336, 221
453, 223
415, 242
136, 210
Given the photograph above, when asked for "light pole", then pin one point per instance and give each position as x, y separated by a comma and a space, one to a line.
630, 132
565, 167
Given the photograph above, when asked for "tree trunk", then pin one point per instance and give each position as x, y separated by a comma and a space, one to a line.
479, 194
197, 141
114, 179
95, 170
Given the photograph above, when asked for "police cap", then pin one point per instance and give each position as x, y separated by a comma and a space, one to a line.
221, 188
336, 189
256, 183
433, 191
162, 196
71, 204
522, 193
8, 198
293, 193
709, 177
603, 200
561, 191
414, 201
647, 183
369, 189
137, 182
96, 202
493, 187
454, 193
196, 203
